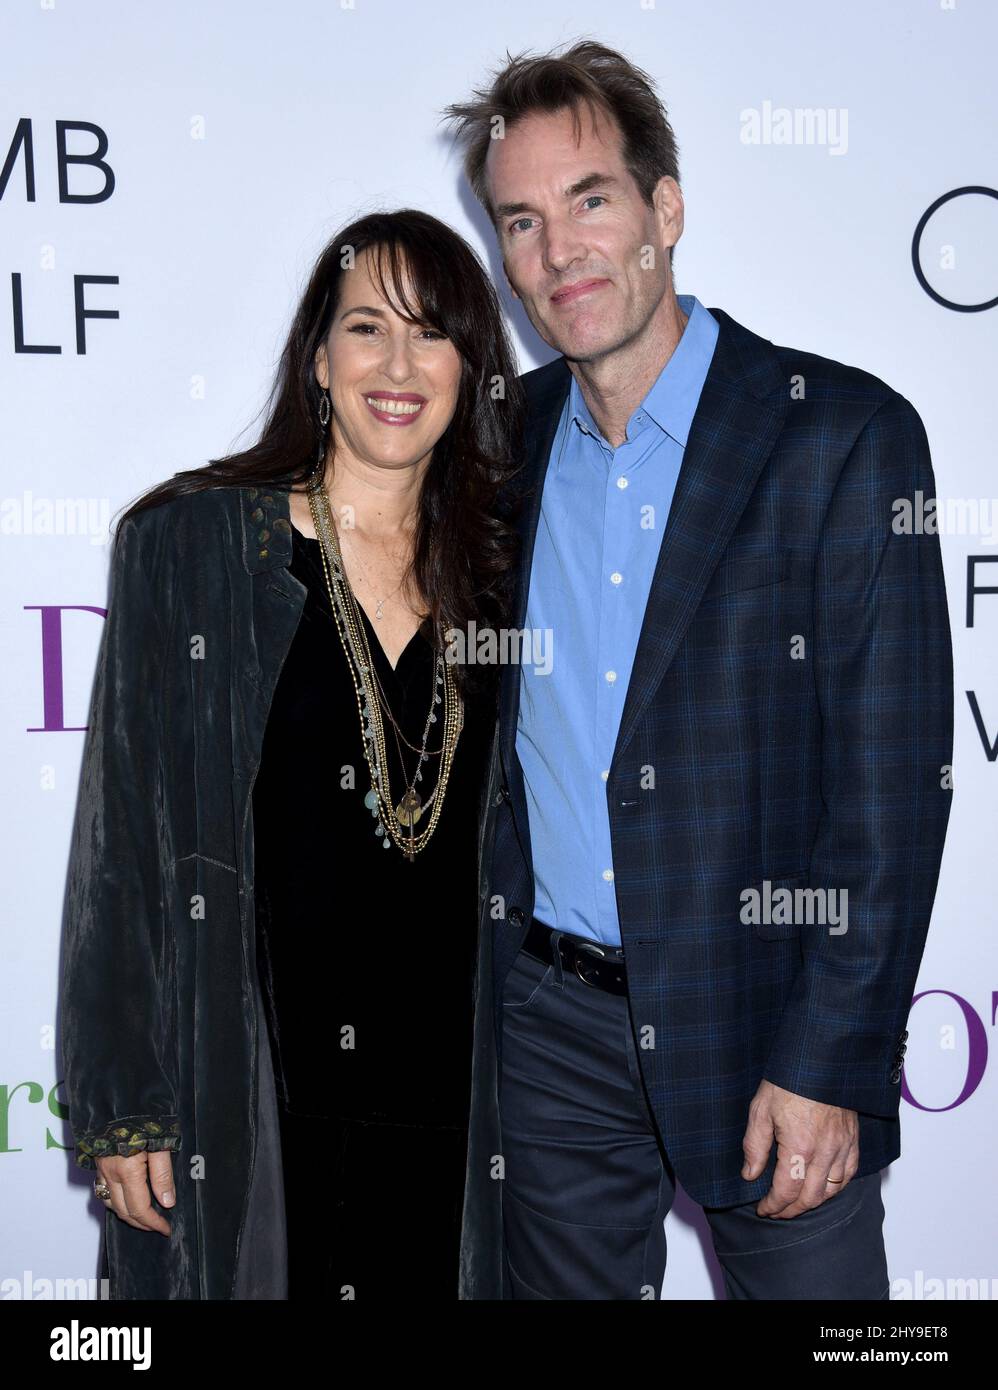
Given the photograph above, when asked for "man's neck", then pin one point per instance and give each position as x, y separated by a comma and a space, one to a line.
615, 385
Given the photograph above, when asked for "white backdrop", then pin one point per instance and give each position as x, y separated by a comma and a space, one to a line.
240, 136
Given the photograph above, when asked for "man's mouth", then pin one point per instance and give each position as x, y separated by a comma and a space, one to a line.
394, 408
568, 293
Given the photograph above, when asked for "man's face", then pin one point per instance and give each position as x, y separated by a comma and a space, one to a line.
581, 248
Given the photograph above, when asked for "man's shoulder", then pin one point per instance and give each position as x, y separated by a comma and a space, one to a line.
807, 376
810, 374
840, 399
832, 381
545, 383
827, 394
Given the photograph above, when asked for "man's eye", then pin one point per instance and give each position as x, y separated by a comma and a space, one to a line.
594, 198
518, 223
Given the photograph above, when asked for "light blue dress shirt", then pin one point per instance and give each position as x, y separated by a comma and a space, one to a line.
603, 515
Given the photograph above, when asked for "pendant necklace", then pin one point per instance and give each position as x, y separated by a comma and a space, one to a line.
396, 820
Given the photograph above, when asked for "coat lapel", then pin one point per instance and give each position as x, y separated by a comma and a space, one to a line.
737, 423
276, 607
546, 402
265, 518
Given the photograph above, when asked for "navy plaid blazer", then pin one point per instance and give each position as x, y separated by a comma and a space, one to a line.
792, 699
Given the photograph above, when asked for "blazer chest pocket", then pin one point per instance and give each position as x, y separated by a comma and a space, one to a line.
746, 572
771, 903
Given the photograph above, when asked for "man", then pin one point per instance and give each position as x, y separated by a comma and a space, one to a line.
716, 825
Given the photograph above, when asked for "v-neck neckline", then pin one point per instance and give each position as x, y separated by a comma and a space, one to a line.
371, 630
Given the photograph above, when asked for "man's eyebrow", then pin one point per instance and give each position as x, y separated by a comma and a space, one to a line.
591, 181
583, 185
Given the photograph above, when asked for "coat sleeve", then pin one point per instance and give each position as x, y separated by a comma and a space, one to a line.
118, 1048
883, 672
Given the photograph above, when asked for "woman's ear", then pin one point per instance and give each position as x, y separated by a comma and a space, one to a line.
322, 367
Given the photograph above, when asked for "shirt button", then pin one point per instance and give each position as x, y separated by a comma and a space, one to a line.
616, 577
608, 875
621, 482
605, 774
611, 676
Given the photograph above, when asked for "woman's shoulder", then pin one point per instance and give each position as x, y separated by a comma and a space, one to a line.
193, 508
198, 535
198, 515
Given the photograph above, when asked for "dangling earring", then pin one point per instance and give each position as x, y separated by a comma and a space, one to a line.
325, 412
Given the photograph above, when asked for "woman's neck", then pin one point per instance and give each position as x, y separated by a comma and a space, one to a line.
376, 503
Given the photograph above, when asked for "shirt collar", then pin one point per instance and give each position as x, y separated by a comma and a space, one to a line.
672, 400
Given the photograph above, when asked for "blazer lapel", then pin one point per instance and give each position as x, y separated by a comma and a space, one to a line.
541, 426
738, 420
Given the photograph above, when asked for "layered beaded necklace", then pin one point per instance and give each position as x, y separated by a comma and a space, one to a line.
395, 821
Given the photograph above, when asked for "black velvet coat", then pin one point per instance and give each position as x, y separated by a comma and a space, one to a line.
163, 1033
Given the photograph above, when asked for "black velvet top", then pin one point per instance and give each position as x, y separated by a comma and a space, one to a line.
366, 960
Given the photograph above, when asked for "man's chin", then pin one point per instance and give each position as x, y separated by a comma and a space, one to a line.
589, 349
584, 345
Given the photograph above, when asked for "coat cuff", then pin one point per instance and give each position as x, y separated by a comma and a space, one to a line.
127, 1136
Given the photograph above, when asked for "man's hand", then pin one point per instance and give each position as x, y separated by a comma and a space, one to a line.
130, 1180
817, 1149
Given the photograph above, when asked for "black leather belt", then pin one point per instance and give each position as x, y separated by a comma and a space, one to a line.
594, 964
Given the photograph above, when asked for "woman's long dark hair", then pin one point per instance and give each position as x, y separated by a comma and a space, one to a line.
464, 546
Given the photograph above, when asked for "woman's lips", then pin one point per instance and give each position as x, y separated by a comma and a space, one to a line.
572, 292
402, 409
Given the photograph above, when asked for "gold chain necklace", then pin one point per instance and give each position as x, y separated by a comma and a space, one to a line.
395, 821
428, 752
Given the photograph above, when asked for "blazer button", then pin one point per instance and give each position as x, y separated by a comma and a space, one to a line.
895, 1076
501, 795
516, 916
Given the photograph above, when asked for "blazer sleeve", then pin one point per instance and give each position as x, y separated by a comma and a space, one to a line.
883, 671
118, 1048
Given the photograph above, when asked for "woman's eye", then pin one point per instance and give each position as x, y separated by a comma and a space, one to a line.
369, 330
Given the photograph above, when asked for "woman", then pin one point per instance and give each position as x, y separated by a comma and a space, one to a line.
270, 927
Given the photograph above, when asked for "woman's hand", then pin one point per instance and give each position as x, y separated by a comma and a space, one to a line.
130, 1181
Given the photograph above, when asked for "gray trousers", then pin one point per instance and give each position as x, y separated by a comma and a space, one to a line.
588, 1184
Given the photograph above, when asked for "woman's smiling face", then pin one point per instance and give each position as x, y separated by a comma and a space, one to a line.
393, 384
